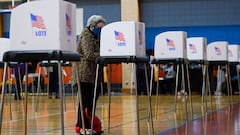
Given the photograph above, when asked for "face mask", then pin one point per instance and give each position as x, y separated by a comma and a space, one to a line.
97, 32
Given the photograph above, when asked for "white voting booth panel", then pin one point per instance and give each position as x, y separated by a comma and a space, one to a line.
123, 39
43, 25
233, 53
4, 46
171, 44
196, 48
217, 51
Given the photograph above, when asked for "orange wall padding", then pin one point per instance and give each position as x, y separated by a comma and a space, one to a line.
116, 73
67, 78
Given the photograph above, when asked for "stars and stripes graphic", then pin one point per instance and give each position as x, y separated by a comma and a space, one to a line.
37, 21
192, 47
217, 49
140, 37
119, 36
68, 22
170, 42
230, 53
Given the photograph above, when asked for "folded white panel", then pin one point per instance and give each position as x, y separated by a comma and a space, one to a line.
233, 53
171, 44
4, 46
43, 25
217, 51
196, 48
123, 39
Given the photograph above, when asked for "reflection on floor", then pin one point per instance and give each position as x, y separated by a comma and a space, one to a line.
225, 118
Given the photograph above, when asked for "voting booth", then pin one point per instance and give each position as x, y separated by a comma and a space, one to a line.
233, 53
233, 59
217, 54
196, 53
4, 46
171, 44
122, 42
196, 48
123, 39
170, 48
42, 30
43, 25
217, 51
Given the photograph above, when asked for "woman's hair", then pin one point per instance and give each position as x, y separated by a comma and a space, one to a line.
94, 20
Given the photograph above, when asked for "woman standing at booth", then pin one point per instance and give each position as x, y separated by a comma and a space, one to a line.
89, 49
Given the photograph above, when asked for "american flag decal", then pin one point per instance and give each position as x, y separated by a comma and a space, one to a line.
170, 42
68, 22
37, 22
192, 47
230, 53
217, 49
119, 36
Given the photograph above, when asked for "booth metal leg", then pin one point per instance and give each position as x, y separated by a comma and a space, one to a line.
203, 101
203, 83
208, 86
101, 85
3, 94
109, 85
38, 88
157, 93
20, 80
80, 99
151, 87
61, 96
228, 88
18, 97
10, 92
238, 80
151, 80
94, 96
131, 80
204, 87
48, 85
137, 108
15, 86
20, 83
64, 91
189, 90
184, 90
149, 100
26, 97
229, 84
176, 88
109, 74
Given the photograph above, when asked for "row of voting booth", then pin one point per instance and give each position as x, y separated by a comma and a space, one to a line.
124, 42
49, 33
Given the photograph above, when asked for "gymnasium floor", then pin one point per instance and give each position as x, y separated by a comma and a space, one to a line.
222, 118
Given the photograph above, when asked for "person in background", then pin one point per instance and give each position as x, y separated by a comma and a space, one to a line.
220, 80
53, 82
169, 78
89, 49
141, 80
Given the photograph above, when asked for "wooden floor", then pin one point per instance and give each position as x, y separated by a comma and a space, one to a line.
123, 116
